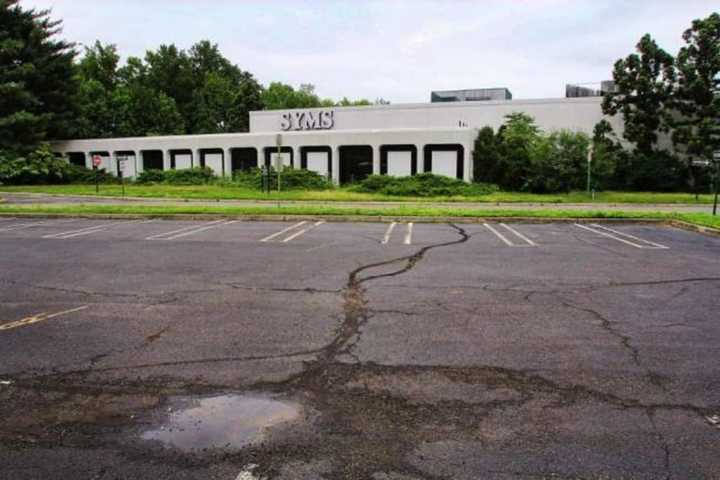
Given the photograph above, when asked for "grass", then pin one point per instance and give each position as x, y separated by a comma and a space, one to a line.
705, 219
223, 192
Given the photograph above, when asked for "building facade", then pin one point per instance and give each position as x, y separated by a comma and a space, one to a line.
344, 143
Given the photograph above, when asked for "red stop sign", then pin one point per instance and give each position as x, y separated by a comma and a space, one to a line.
96, 160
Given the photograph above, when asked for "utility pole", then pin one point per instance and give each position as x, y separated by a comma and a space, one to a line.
716, 161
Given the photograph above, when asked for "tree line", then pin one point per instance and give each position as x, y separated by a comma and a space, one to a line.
49, 90
670, 107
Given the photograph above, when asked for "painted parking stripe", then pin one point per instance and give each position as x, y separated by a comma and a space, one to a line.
161, 236
198, 230
38, 318
303, 231
408, 234
21, 226
499, 235
388, 232
285, 230
627, 235
616, 237
518, 234
90, 230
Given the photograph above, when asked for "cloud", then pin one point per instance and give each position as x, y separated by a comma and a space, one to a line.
396, 49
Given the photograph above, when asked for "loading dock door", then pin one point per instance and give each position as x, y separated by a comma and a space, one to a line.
444, 163
318, 162
214, 161
356, 163
399, 164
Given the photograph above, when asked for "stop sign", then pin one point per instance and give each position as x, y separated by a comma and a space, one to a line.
96, 160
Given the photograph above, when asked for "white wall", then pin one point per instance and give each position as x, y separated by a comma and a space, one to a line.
579, 114
214, 161
444, 163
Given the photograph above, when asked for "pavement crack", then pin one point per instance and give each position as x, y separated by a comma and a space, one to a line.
663, 443
608, 326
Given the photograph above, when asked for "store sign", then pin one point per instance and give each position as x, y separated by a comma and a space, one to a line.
316, 120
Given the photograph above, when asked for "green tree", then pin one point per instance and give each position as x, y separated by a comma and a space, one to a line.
643, 87
517, 136
558, 162
486, 157
696, 124
606, 154
36, 78
280, 96
216, 108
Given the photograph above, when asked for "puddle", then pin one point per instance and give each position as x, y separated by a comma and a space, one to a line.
228, 422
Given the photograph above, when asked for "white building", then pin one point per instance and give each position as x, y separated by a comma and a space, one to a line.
345, 143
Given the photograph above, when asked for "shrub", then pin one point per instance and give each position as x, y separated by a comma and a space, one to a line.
150, 176
38, 167
291, 179
189, 176
421, 185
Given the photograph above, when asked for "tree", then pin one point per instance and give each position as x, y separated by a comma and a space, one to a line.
486, 157
100, 63
643, 83
280, 96
696, 125
36, 78
215, 106
98, 77
607, 153
517, 136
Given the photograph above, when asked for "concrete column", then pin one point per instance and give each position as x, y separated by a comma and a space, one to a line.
114, 170
167, 163
227, 162
88, 160
467, 163
376, 159
139, 162
420, 158
336, 164
195, 158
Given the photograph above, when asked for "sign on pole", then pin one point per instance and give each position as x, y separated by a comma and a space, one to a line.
96, 161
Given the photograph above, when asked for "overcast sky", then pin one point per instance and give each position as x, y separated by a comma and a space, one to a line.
397, 50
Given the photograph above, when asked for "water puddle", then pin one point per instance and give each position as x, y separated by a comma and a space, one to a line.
228, 422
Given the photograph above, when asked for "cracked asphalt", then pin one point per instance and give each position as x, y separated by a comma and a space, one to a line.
437, 352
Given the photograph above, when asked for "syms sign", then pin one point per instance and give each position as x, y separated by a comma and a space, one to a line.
315, 120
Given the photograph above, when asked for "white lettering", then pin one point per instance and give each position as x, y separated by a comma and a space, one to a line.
319, 120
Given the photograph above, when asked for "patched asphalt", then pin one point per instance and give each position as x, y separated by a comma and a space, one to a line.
424, 351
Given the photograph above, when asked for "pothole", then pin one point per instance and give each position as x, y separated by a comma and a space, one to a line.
227, 422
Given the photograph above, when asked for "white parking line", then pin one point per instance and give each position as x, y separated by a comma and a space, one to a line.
519, 235
198, 230
620, 239
408, 234
21, 226
160, 236
277, 234
388, 232
89, 230
304, 230
499, 235
627, 235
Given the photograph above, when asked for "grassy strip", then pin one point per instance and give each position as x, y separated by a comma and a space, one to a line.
223, 192
705, 219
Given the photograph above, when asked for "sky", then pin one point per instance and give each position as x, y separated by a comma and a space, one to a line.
399, 50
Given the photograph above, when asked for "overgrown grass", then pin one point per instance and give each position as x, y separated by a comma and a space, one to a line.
223, 192
705, 219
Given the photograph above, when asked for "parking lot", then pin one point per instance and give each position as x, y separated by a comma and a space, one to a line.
413, 351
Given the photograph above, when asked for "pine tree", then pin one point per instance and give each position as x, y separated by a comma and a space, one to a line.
36, 78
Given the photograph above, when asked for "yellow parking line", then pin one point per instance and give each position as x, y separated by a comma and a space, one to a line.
39, 318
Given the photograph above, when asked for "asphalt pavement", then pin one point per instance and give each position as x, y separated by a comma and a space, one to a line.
240, 350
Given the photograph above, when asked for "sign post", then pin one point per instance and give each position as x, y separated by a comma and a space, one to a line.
716, 160
96, 162
122, 165
589, 168
278, 159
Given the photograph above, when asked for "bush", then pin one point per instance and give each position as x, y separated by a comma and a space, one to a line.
189, 176
291, 179
421, 185
40, 167
150, 176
